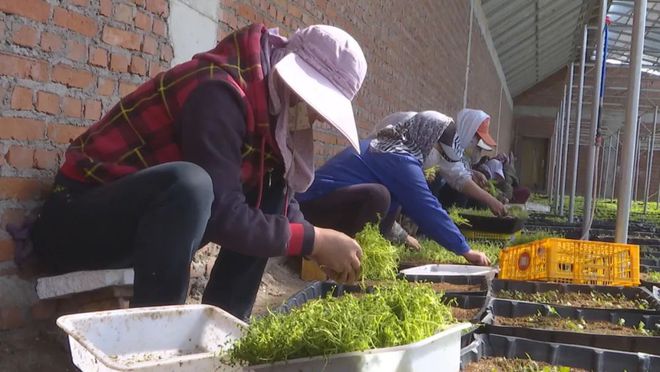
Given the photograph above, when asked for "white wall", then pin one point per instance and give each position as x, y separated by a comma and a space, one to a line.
193, 27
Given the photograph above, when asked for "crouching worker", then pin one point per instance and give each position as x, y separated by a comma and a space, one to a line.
211, 150
351, 190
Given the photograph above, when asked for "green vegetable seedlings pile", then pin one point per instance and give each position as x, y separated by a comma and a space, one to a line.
433, 252
396, 314
533, 236
380, 259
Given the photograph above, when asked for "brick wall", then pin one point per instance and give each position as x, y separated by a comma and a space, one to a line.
62, 64
65, 62
416, 52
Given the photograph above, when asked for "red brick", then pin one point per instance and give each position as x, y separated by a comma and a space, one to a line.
105, 87
75, 22
159, 7
48, 102
98, 57
43, 310
21, 188
76, 51
26, 35
21, 129
20, 157
79, 2
39, 10
155, 69
138, 66
92, 109
46, 159
22, 67
21, 99
125, 39
106, 7
64, 133
166, 53
6, 253
159, 27
149, 45
126, 88
72, 77
119, 62
72, 107
51, 42
124, 13
142, 21
11, 318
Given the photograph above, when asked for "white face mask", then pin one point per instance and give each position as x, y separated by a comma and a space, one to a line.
432, 159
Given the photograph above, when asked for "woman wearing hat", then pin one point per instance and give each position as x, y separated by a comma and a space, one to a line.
460, 148
211, 150
351, 190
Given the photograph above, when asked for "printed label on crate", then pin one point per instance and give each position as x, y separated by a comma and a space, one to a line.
523, 261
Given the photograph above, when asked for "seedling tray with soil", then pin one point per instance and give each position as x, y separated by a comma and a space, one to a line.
433, 253
491, 352
604, 328
466, 284
482, 221
651, 279
634, 299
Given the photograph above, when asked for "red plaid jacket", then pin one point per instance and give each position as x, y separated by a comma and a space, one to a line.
139, 131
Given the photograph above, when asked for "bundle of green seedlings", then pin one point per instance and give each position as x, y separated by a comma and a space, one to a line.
430, 173
395, 314
380, 259
591, 299
457, 219
433, 252
528, 237
653, 276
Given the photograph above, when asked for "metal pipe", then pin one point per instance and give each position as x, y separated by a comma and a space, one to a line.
591, 153
649, 162
616, 163
469, 49
564, 157
634, 83
560, 146
638, 153
578, 122
607, 167
562, 142
552, 164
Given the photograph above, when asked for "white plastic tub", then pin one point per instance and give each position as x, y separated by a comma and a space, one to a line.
440, 352
168, 338
450, 270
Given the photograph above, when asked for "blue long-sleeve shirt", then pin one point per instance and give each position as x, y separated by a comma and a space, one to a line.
403, 176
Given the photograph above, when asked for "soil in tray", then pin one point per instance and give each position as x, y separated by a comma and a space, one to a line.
490, 364
449, 287
574, 325
464, 315
578, 299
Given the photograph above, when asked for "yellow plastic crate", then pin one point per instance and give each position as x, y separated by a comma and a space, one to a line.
572, 261
484, 235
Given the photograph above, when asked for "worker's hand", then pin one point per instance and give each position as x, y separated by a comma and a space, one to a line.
337, 254
413, 243
477, 258
479, 178
497, 208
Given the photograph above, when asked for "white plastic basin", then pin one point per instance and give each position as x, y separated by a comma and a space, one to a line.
440, 352
168, 338
449, 270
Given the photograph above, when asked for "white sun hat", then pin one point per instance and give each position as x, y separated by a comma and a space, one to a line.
326, 68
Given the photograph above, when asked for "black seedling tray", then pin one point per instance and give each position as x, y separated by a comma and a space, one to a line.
482, 280
649, 285
504, 225
469, 301
585, 357
630, 293
515, 309
648, 268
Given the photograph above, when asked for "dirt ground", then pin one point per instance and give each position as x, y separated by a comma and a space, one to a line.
43, 347
503, 364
